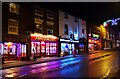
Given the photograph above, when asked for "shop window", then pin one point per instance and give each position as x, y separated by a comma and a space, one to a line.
50, 15
1, 48
52, 48
66, 29
12, 26
47, 48
23, 50
14, 8
39, 11
43, 47
49, 31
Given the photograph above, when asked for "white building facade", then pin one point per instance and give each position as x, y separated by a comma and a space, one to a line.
70, 30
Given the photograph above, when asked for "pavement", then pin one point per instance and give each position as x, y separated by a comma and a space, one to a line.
18, 63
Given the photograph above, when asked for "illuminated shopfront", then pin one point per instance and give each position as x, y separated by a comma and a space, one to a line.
13, 50
68, 47
94, 42
44, 45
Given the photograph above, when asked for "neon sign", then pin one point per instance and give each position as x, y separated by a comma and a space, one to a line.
113, 22
95, 36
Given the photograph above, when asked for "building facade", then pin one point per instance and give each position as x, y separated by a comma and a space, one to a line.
71, 30
28, 30
111, 37
94, 37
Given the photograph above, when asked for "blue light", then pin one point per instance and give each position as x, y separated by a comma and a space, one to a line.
66, 46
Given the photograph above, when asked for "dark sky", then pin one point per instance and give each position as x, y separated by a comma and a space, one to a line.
94, 12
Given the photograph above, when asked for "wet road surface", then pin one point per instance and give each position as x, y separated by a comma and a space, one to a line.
92, 65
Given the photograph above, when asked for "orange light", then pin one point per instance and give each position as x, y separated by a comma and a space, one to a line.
90, 40
96, 41
9, 43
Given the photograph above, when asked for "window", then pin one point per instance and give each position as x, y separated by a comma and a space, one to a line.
50, 15
14, 8
83, 36
39, 28
83, 22
75, 30
66, 15
38, 20
39, 11
66, 29
76, 20
83, 31
50, 23
12, 26
49, 31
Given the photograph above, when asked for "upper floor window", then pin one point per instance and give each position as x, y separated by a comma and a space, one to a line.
39, 11
83, 31
14, 8
76, 20
83, 22
50, 15
39, 28
83, 35
12, 26
39, 24
75, 30
66, 29
50, 23
49, 31
38, 20
66, 15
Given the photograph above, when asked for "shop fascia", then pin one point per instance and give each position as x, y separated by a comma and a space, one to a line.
64, 40
37, 36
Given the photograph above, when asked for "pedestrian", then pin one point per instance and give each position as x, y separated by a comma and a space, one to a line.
34, 57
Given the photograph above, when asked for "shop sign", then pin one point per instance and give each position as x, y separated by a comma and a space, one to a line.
43, 38
14, 39
95, 36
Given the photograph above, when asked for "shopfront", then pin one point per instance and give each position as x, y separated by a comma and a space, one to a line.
82, 45
44, 45
68, 47
13, 47
94, 42
118, 43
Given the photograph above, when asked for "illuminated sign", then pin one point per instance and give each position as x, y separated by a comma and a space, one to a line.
36, 36
68, 40
113, 22
95, 35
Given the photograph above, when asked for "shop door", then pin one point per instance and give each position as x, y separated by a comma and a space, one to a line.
9, 51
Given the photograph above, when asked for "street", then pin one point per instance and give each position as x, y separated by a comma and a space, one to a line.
92, 65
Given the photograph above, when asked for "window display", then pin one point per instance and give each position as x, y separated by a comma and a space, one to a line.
81, 47
13, 51
23, 50
65, 48
1, 48
43, 47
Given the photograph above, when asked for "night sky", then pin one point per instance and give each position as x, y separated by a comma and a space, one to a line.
94, 12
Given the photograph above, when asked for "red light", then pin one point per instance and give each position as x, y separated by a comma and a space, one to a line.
83, 22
